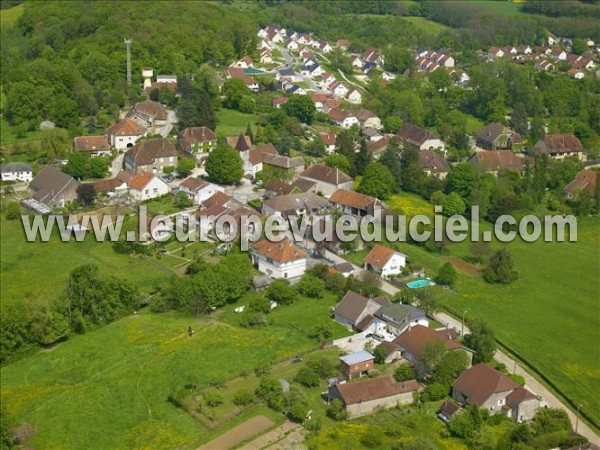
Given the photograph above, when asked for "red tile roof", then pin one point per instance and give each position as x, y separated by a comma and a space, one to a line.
353, 199
480, 382
126, 127
188, 137
91, 143
379, 256
373, 389
140, 180
194, 184
585, 179
414, 339
282, 252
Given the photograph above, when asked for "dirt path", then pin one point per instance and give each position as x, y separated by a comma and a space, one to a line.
281, 437
239, 434
463, 266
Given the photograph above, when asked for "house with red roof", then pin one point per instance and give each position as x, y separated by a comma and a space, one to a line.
124, 134
585, 180
365, 396
92, 145
560, 146
385, 261
415, 340
198, 190
490, 389
279, 259
146, 185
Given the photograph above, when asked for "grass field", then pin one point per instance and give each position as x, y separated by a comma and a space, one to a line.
37, 272
231, 122
109, 388
506, 8
549, 316
428, 26
8, 135
11, 15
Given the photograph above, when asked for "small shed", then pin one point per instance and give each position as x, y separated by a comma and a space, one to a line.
285, 386
261, 282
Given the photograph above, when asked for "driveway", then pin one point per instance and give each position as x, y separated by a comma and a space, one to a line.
244, 192
117, 165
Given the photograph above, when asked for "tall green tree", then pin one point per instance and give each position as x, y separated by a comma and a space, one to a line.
301, 107
390, 158
224, 165
377, 181
482, 340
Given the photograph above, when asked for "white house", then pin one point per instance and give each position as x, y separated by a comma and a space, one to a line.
339, 89
266, 57
342, 118
146, 185
291, 45
355, 61
385, 261
279, 259
421, 138
354, 96
388, 76
16, 171
198, 190
124, 134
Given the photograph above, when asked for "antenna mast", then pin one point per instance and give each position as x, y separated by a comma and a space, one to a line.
128, 45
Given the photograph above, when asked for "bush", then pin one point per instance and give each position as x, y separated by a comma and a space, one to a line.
243, 397
336, 410
212, 399
517, 378
404, 373
311, 286
434, 392
307, 377
281, 292
13, 211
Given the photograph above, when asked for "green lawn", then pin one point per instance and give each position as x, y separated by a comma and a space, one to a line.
109, 388
428, 26
8, 135
232, 123
549, 316
37, 272
506, 8
11, 15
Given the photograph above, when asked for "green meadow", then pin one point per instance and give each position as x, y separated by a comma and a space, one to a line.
231, 122
37, 271
109, 388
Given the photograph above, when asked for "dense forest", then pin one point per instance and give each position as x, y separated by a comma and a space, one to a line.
61, 63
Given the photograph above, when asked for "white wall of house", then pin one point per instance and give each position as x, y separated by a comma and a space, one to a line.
433, 144
155, 188
275, 269
355, 97
203, 194
394, 265
17, 176
122, 142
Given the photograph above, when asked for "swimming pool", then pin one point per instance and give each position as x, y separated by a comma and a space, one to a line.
420, 283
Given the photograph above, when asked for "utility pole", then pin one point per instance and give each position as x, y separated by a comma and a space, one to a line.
128, 45
579, 405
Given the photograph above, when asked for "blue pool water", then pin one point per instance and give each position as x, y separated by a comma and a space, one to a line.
420, 283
